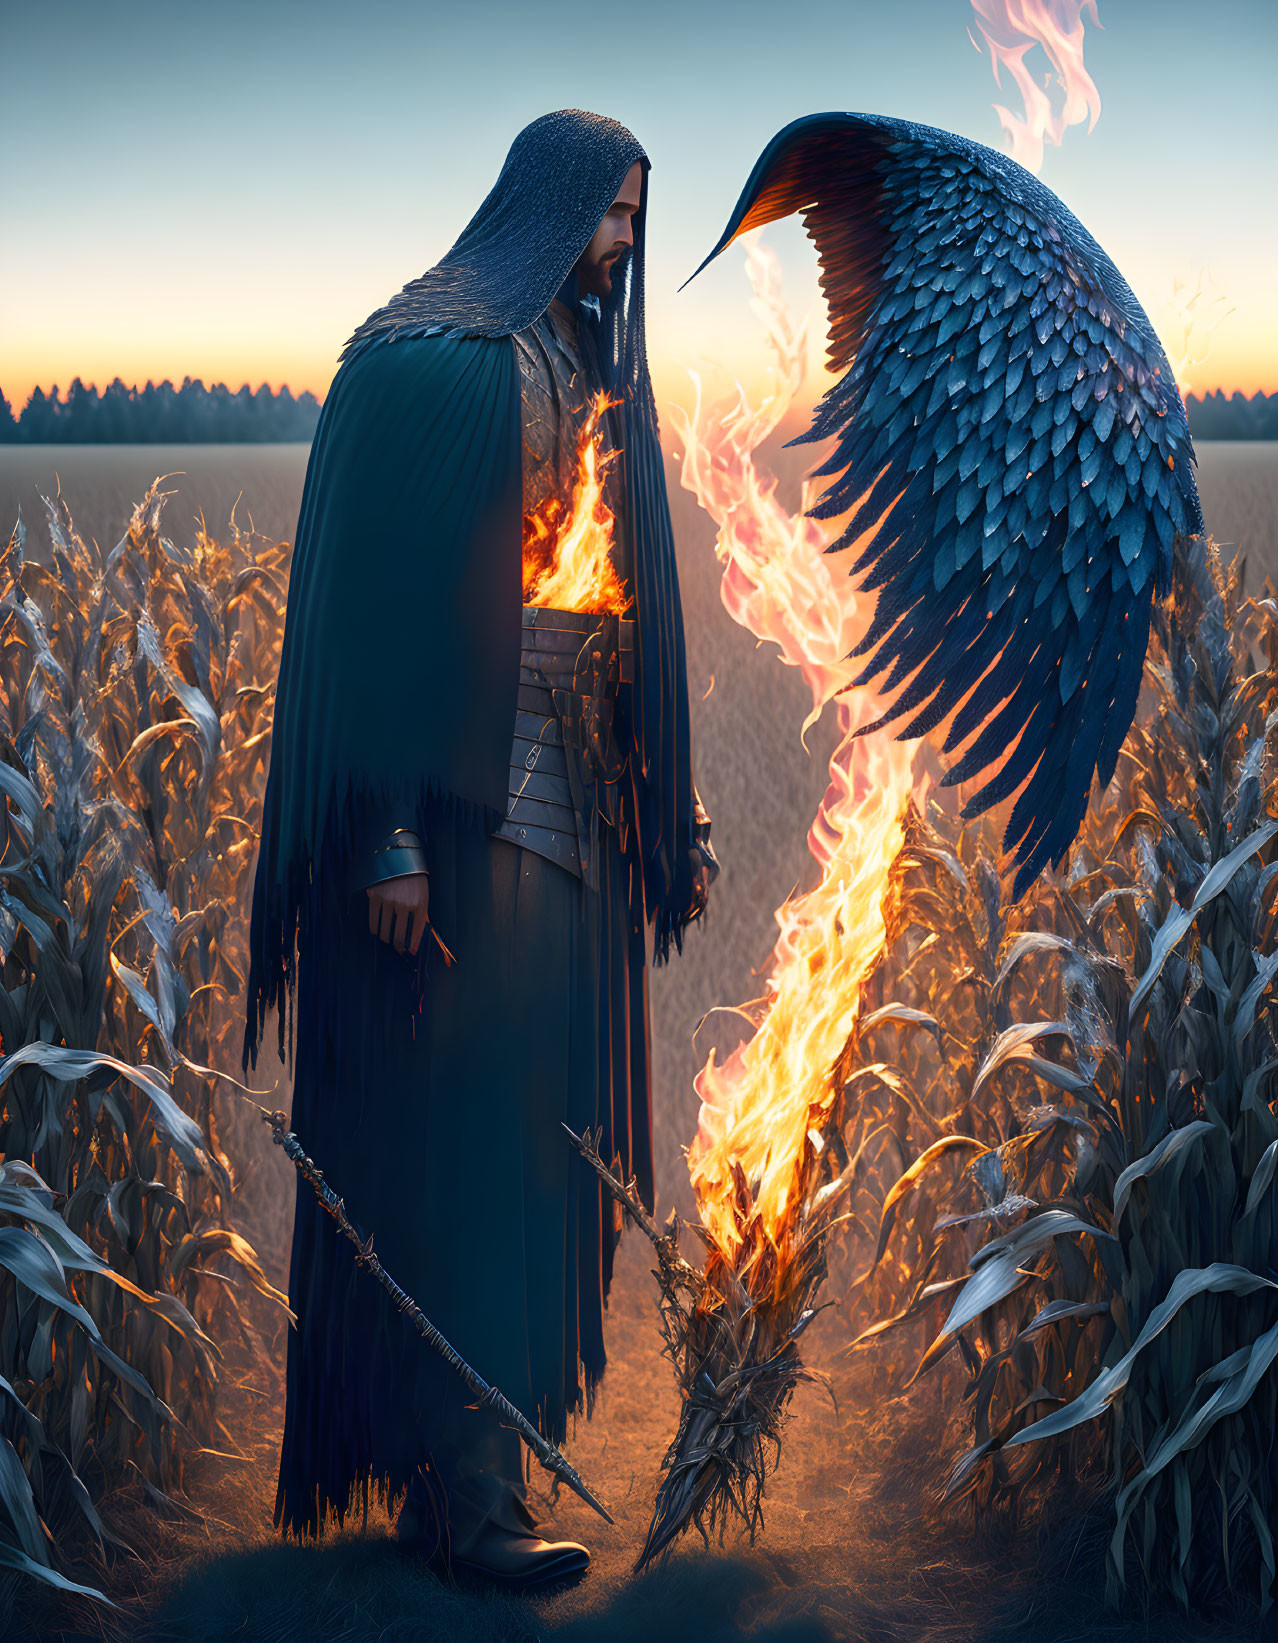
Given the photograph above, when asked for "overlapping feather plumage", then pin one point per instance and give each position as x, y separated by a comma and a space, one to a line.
1008, 421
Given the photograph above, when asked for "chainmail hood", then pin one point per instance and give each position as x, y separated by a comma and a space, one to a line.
559, 178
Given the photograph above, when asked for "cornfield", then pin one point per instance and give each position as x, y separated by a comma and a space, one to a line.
1067, 1133
1057, 1127
135, 689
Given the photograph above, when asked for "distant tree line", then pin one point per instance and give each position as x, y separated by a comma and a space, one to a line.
159, 414
1212, 416
195, 415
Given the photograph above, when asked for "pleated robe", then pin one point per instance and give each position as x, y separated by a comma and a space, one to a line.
454, 1158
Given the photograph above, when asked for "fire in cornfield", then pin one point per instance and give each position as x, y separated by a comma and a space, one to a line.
1012, 470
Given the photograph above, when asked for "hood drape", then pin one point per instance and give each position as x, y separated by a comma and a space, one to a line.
411, 511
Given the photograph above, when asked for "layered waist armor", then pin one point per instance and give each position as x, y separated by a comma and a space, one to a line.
566, 762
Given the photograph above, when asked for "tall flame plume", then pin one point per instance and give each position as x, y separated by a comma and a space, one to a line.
765, 1163
568, 562
764, 1107
1012, 29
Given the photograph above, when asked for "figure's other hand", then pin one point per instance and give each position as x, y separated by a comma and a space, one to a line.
398, 910
701, 881
705, 864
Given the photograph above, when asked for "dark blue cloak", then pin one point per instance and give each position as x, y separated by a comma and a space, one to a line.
401, 650
396, 704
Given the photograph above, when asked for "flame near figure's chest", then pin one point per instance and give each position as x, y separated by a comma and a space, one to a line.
573, 550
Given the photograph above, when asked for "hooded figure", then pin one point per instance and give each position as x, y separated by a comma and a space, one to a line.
417, 695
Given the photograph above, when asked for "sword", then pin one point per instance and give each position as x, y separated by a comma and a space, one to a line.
488, 1396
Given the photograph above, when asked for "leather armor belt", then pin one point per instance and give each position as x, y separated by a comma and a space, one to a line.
565, 765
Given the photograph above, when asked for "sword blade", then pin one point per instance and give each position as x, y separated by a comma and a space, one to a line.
548, 1456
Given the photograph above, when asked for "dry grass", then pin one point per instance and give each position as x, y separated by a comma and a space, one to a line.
855, 1547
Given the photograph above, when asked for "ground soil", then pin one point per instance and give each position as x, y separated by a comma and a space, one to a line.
853, 1544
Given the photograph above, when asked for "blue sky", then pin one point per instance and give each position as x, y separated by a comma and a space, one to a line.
227, 189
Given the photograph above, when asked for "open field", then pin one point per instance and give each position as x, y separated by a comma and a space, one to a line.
853, 1548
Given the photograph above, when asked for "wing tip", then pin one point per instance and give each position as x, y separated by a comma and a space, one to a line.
772, 153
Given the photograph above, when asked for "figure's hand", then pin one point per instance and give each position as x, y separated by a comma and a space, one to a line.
705, 864
702, 878
398, 910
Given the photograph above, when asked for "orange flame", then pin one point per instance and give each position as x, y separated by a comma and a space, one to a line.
760, 1107
1011, 29
569, 566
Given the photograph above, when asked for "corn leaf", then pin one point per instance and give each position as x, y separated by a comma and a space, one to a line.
1219, 1278
184, 1134
917, 1170
999, 1264
1172, 931
12, 1558
1170, 1147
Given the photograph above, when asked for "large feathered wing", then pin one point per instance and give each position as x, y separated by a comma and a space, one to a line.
1006, 400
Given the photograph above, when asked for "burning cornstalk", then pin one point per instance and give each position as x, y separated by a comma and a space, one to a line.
768, 1181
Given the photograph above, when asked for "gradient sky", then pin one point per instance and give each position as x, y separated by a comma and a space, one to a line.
226, 190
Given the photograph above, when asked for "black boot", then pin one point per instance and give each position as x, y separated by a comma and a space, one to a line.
492, 1533
520, 1561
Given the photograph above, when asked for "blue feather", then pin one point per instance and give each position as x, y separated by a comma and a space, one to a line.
1016, 571
1103, 418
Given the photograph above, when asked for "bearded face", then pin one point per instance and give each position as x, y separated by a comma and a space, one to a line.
612, 240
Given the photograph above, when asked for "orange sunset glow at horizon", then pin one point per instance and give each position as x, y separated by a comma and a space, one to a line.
1235, 362
237, 233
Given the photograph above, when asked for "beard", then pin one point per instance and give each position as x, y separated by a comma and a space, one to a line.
594, 277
